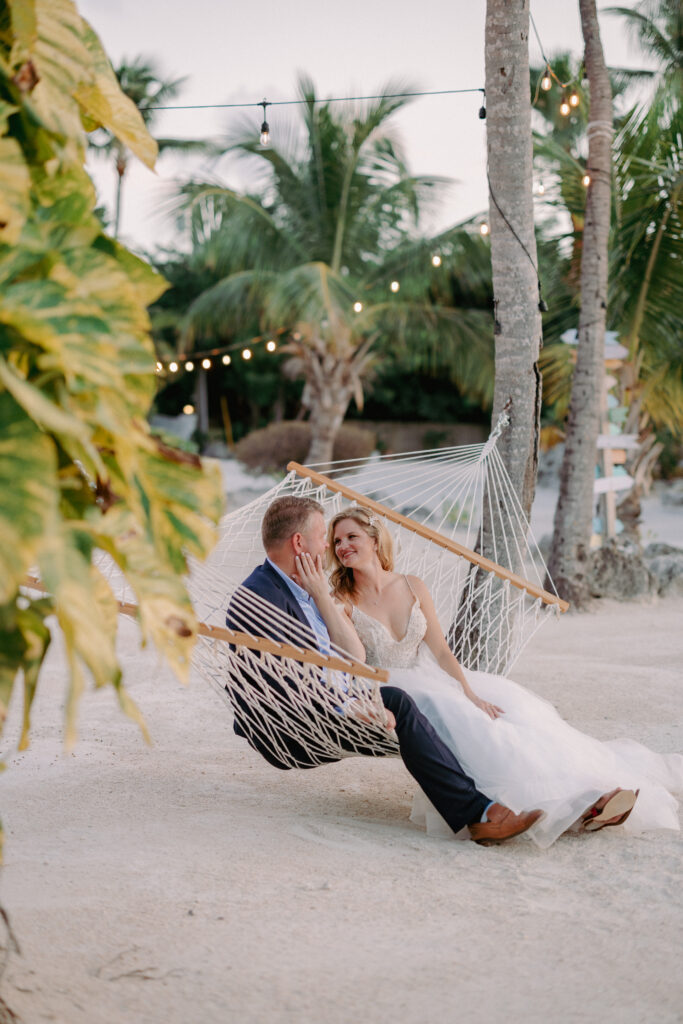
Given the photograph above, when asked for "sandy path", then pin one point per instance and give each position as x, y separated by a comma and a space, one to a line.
190, 882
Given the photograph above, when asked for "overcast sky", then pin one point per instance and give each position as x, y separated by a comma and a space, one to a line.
243, 52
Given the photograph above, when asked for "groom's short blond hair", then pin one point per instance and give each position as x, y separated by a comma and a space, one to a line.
285, 517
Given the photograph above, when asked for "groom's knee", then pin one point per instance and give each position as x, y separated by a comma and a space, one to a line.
397, 701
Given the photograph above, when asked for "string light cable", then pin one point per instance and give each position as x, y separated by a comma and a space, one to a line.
545, 78
542, 304
329, 99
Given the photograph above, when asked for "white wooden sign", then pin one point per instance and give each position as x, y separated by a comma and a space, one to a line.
606, 484
618, 442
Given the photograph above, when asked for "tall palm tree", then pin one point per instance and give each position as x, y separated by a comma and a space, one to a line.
574, 512
141, 80
313, 252
645, 297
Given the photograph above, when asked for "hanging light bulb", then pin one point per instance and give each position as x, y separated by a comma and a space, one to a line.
188, 409
436, 260
206, 364
189, 366
540, 189
271, 346
484, 228
586, 180
226, 360
546, 81
573, 98
358, 307
265, 127
564, 108
173, 367
246, 353
394, 286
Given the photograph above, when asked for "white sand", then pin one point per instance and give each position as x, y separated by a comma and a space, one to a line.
190, 883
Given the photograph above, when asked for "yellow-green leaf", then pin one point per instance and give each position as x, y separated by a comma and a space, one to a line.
104, 102
28, 492
15, 187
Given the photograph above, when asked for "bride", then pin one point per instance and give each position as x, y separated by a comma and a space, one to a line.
514, 744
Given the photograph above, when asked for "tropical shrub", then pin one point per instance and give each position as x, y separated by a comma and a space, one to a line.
80, 472
271, 448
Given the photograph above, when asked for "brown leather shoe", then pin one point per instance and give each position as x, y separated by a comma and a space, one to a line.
502, 824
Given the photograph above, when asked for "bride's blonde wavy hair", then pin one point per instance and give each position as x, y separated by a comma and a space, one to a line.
341, 578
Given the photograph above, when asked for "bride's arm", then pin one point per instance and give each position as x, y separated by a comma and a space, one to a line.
311, 577
436, 642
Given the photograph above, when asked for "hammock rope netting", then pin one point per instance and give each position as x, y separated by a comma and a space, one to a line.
306, 708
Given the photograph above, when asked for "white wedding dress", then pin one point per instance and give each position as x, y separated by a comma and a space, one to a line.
527, 758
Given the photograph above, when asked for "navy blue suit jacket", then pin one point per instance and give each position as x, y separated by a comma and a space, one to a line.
266, 582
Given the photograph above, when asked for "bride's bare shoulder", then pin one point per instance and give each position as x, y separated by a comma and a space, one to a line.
418, 586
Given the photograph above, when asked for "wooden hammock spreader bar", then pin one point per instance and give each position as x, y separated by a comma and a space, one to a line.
258, 643
431, 535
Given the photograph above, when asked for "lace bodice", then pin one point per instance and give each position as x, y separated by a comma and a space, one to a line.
380, 646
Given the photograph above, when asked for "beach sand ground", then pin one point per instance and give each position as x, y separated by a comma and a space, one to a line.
190, 883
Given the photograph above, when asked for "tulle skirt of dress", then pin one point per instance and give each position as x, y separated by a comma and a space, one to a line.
530, 757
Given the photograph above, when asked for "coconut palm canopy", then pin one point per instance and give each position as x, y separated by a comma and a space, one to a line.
314, 248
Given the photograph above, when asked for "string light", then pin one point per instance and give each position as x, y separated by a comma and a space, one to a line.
271, 346
436, 260
173, 367
246, 353
189, 366
358, 307
206, 364
546, 81
540, 189
188, 409
265, 128
484, 228
586, 180
160, 367
395, 286
226, 360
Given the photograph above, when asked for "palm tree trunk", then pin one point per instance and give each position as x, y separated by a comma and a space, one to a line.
513, 243
329, 389
326, 419
573, 515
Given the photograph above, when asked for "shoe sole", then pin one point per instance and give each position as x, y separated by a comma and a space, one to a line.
620, 806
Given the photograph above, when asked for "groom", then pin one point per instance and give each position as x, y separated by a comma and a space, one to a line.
291, 527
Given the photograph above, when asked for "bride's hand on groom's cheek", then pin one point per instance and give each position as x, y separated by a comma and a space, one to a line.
310, 575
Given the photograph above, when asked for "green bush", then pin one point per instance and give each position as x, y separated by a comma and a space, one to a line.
271, 448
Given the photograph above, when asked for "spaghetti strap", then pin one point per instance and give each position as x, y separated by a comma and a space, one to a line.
409, 586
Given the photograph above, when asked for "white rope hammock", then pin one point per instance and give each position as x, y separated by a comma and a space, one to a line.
433, 504
301, 708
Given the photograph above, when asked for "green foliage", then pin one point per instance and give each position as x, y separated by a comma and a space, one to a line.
646, 240
80, 472
271, 448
